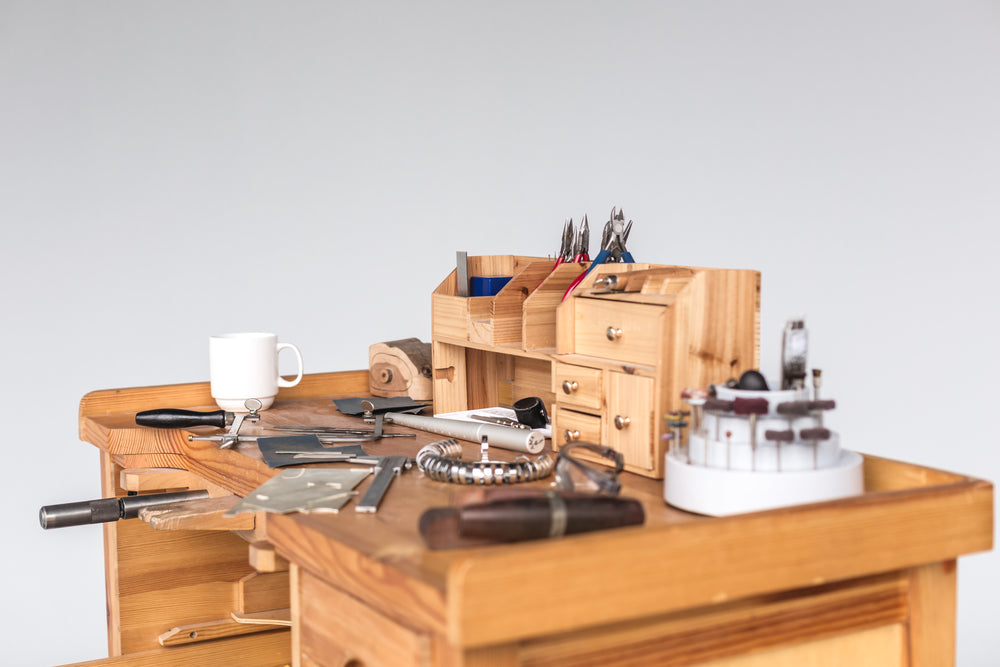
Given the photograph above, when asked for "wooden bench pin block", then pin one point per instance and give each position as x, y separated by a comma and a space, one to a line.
401, 368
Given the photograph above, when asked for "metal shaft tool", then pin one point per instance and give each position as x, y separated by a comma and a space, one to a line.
103, 510
530, 442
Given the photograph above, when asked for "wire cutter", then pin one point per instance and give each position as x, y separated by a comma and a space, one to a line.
613, 250
613, 241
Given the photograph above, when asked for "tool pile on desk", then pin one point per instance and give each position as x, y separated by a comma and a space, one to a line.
479, 519
527, 514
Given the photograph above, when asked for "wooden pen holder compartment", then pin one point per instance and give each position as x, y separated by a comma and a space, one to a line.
488, 320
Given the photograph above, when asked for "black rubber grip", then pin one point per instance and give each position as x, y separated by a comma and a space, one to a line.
173, 418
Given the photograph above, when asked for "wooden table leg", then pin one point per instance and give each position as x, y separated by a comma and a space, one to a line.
932, 614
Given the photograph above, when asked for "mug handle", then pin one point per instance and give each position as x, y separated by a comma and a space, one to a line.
282, 382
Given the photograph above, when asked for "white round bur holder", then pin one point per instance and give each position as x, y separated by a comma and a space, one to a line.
727, 470
721, 492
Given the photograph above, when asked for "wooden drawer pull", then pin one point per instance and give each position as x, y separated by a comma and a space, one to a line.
621, 422
569, 386
613, 333
571, 436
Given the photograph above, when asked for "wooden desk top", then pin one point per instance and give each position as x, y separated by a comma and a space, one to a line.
909, 515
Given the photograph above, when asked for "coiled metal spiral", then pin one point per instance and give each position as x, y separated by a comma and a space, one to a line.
442, 461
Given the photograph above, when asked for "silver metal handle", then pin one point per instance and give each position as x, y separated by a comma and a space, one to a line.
569, 386
613, 333
622, 422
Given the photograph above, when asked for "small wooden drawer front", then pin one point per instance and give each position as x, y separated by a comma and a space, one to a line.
619, 330
573, 426
630, 418
578, 386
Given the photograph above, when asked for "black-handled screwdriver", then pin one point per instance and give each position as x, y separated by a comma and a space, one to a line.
174, 418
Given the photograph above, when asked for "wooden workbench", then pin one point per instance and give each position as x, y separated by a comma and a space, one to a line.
864, 581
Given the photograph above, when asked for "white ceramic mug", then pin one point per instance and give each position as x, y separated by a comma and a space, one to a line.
245, 365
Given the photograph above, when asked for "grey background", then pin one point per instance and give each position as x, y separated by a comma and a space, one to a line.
173, 170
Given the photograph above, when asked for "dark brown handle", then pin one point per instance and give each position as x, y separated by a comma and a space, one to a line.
534, 518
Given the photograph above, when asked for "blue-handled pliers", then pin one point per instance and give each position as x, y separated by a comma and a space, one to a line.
613, 241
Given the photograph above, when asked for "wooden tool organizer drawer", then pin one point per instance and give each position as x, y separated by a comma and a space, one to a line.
619, 330
578, 386
631, 420
570, 426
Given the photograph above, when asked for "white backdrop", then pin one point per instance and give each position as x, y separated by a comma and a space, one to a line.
177, 169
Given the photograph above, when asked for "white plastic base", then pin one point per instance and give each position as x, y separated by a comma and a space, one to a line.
721, 492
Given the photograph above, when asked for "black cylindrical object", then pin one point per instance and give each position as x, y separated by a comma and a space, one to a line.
546, 516
174, 418
104, 510
531, 412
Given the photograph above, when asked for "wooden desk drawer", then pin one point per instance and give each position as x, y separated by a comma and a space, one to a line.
570, 426
619, 330
578, 386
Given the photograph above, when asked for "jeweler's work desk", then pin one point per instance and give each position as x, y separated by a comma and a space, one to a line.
864, 581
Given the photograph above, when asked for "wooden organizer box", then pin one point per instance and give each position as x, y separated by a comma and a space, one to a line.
608, 364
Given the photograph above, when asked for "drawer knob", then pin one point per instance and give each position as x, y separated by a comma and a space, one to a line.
621, 422
569, 386
613, 333
571, 436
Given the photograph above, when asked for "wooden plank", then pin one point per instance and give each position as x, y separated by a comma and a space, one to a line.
539, 317
110, 474
877, 647
264, 558
266, 617
735, 557
931, 630
533, 377
450, 316
138, 480
704, 352
413, 595
266, 649
734, 629
508, 306
295, 607
338, 630
883, 474
201, 514
260, 592
483, 386
198, 394
148, 615
164, 579
449, 378
212, 630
